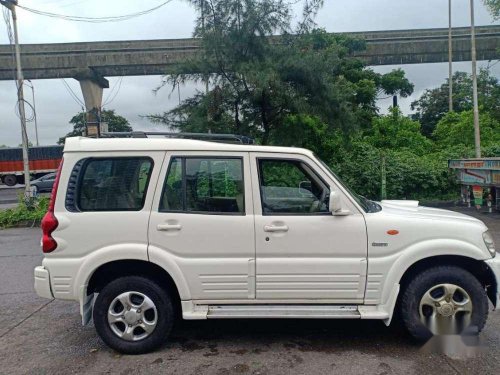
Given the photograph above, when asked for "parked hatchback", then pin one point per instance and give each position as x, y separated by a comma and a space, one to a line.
139, 230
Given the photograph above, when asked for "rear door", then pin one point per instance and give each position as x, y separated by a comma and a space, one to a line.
106, 201
202, 219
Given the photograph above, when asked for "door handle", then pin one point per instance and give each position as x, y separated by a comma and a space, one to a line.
275, 228
168, 227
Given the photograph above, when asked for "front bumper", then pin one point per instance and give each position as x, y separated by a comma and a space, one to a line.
494, 265
42, 282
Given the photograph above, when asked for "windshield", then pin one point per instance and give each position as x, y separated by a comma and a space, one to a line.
366, 204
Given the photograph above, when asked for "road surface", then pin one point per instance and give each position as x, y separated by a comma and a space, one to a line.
39, 336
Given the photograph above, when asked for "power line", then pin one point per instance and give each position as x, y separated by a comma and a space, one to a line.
116, 88
10, 34
72, 93
94, 19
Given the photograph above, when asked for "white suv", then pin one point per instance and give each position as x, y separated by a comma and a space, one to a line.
139, 230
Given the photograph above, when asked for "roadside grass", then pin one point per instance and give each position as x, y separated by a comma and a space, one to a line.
22, 215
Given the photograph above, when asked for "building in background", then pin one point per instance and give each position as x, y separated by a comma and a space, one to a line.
481, 177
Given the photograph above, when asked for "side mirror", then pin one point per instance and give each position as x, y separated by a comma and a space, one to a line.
335, 205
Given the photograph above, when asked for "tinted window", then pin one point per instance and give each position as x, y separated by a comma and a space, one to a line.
114, 184
211, 185
291, 187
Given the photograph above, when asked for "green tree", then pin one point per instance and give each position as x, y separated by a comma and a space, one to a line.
433, 104
395, 83
259, 80
458, 129
398, 132
494, 7
116, 123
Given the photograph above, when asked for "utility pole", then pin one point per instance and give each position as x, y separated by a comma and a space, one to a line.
450, 59
11, 5
477, 133
206, 78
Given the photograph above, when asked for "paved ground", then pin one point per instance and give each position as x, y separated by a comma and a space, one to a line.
39, 336
10, 194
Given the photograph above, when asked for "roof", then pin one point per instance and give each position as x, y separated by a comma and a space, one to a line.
84, 144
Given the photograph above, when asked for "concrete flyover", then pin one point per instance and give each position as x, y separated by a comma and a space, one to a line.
94, 60
91, 62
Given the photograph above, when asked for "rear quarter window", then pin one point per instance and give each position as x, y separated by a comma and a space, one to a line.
113, 184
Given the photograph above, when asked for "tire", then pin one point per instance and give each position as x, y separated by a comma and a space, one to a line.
36, 190
10, 180
413, 301
134, 287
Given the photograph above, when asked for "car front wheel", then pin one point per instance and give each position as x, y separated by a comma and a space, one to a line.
444, 300
133, 315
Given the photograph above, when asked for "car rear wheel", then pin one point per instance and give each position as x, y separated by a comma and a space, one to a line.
444, 300
133, 315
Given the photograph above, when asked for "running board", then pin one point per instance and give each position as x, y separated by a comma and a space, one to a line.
283, 311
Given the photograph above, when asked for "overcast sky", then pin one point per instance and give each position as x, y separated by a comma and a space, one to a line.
55, 106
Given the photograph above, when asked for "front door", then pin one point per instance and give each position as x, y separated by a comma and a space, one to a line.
202, 219
303, 252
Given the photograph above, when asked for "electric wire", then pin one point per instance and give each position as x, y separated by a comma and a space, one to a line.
94, 19
10, 35
17, 111
114, 91
72, 93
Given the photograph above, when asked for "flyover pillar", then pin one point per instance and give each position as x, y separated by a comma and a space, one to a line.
92, 86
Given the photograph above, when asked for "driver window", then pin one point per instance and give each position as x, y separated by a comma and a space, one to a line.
291, 187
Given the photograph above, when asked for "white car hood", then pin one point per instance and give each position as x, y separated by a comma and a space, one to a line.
412, 209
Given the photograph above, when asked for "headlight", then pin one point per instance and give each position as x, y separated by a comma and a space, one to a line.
488, 241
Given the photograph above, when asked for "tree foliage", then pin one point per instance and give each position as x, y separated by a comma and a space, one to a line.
494, 8
300, 86
433, 104
259, 81
458, 129
397, 132
116, 123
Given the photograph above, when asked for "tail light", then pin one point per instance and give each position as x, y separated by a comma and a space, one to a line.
49, 221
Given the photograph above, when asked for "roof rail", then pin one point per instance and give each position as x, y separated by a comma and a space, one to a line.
225, 138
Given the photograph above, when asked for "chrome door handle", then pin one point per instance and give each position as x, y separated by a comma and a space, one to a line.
167, 227
275, 228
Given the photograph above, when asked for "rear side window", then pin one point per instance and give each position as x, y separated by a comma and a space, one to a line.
204, 185
113, 184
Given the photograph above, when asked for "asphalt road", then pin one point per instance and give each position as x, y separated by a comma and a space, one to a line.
9, 196
39, 336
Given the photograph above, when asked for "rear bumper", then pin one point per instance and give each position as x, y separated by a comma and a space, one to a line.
494, 265
42, 282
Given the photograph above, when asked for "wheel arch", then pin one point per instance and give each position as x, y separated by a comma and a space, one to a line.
133, 267
476, 267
